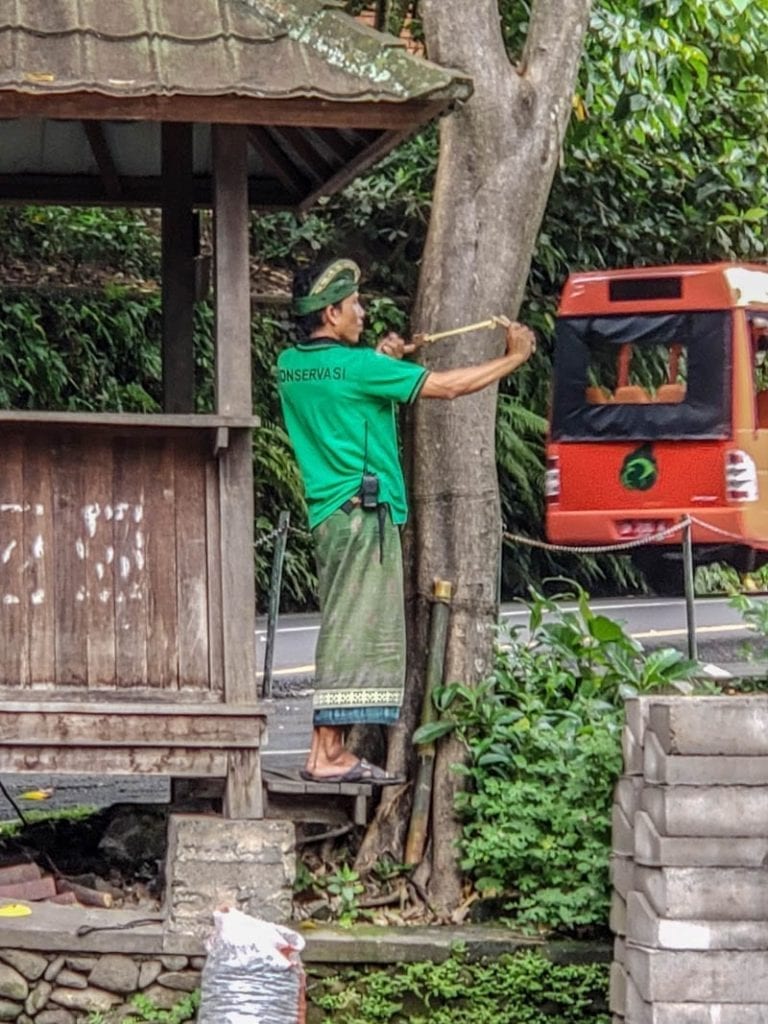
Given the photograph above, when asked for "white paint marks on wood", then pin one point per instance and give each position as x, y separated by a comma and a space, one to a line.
11, 552
91, 515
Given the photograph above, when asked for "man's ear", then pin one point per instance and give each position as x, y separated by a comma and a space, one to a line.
331, 316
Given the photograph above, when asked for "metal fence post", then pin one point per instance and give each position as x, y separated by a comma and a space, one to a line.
690, 606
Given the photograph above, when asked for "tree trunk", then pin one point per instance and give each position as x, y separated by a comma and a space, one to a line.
498, 155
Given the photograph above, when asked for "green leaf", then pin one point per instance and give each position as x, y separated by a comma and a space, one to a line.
432, 731
605, 630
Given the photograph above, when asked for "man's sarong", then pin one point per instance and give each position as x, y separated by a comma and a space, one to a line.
360, 657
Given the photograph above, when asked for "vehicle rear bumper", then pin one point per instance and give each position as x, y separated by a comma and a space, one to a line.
620, 525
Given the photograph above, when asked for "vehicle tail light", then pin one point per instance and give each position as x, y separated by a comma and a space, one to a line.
740, 476
630, 529
552, 479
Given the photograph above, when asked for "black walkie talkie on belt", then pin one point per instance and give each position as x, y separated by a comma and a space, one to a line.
369, 497
369, 492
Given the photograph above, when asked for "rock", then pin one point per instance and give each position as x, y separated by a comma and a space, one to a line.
24, 1019
52, 971
115, 973
136, 834
163, 998
13, 985
31, 965
173, 963
85, 964
71, 979
9, 1010
38, 997
182, 981
148, 972
55, 1017
92, 1000
197, 963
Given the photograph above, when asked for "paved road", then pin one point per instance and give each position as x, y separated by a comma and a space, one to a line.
654, 621
720, 630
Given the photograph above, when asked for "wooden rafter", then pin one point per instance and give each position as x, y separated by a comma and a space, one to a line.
341, 148
79, 188
353, 168
97, 140
277, 162
318, 169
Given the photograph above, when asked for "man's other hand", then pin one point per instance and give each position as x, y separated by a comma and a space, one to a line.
395, 346
521, 341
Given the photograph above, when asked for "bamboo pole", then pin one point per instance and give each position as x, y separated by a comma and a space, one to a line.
426, 339
273, 610
422, 796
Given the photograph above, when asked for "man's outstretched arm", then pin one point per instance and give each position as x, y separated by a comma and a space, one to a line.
466, 380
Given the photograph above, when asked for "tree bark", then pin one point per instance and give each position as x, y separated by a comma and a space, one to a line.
498, 155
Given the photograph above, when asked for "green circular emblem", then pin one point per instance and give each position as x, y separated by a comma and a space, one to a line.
639, 470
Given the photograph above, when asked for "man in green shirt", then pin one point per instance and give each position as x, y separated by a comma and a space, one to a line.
339, 402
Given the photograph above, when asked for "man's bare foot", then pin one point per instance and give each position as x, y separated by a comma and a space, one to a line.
361, 771
327, 754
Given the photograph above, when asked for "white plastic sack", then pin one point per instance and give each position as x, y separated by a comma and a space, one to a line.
253, 973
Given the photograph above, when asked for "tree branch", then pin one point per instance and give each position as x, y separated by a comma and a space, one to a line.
555, 36
464, 35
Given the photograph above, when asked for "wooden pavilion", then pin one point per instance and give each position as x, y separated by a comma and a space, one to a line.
126, 587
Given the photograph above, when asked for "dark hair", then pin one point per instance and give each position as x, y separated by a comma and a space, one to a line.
303, 279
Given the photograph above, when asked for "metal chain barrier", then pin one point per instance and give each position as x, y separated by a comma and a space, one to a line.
595, 549
716, 529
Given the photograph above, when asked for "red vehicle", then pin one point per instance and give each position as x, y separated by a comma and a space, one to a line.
659, 411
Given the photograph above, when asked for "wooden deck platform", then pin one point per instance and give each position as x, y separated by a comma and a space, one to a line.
181, 740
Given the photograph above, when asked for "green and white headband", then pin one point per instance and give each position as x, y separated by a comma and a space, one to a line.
339, 280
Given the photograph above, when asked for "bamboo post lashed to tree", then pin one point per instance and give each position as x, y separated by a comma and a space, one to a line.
273, 610
422, 796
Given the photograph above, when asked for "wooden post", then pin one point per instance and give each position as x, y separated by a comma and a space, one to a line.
243, 798
233, 286
178, 269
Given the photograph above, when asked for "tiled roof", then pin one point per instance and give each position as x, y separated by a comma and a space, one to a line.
267, 49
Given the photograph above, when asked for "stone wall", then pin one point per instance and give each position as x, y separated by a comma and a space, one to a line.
63, 988
65, 984
690, 863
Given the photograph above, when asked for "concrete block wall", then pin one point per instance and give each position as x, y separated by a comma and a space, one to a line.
689, 865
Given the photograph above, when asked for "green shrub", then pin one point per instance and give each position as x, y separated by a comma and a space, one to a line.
75, 235
524, 988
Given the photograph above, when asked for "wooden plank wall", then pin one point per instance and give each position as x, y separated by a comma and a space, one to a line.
109, 560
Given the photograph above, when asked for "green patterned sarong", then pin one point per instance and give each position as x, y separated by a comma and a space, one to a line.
360, 657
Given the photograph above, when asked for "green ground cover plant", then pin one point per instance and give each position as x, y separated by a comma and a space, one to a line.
144, 1011
524, 988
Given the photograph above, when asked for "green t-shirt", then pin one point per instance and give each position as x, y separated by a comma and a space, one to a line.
339, 407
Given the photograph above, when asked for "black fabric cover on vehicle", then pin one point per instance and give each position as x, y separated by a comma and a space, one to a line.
704, 414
